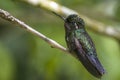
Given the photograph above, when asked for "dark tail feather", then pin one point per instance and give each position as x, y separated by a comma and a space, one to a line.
92, 64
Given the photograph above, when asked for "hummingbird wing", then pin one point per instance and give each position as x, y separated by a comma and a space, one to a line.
86, 53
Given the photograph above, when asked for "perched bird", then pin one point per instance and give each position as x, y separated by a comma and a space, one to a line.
81, 45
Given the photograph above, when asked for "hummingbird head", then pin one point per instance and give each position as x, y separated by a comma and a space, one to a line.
73, 22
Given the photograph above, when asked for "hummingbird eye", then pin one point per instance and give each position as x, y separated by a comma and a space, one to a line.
72, 18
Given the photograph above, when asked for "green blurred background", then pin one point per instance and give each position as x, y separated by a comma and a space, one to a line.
24, 56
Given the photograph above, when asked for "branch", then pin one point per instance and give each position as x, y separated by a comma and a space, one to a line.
7, 16
62, 10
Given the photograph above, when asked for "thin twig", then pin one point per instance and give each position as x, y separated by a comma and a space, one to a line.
7, 16
62, 10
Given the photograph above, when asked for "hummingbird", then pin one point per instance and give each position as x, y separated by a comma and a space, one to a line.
81, 45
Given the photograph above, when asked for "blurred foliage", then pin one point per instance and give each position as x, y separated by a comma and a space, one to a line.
24, 56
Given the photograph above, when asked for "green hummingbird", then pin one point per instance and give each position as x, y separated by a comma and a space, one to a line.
81, 45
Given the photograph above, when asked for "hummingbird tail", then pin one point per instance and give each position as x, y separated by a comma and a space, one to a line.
92, 64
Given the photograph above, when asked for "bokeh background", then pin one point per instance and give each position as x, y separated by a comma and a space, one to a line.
23, 56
